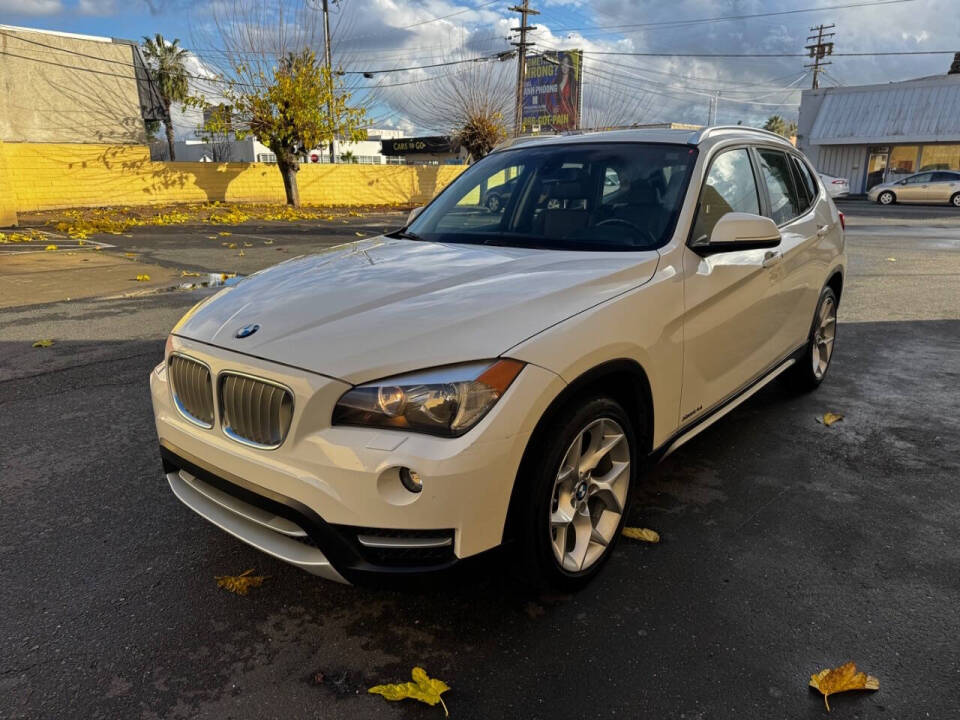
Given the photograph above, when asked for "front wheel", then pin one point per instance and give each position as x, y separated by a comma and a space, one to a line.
955, 200
812, 366
886, 198
578, 494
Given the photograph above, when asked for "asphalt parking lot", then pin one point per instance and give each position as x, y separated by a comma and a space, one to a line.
787, 546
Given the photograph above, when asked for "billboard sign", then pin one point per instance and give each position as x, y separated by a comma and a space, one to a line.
552, 95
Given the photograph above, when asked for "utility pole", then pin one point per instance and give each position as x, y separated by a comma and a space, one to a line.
819, 50
714, 107
328, 59
524, 10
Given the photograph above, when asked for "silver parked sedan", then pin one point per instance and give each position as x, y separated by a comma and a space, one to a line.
936, 186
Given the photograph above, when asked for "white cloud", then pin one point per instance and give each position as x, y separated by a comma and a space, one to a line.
31, 7
97, 7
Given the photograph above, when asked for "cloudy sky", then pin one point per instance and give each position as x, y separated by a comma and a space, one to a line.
392, 34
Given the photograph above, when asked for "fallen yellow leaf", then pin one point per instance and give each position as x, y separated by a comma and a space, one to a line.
50, 248
43, 343
240, 584
891, 259
225, 233
842, 679
143, 278
830, 418
130, 255
240, 254
423, 688
246, 244
232, 246
268, 242
360, 234
645, 534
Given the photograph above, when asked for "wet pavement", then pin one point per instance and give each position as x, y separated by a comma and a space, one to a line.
787, 547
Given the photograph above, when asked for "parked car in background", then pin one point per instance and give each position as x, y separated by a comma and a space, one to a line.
497, 197
936, 187
836, 186
477, 379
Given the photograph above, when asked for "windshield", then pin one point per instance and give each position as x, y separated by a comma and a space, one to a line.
599, 196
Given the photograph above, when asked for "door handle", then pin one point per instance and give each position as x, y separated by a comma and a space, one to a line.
771, 258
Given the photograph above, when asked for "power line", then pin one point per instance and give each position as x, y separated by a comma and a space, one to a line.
726, 18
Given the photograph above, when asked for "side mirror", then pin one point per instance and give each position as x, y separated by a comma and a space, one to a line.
742, 231
413, 214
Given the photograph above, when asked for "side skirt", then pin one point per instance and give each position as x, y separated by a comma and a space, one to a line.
728, 405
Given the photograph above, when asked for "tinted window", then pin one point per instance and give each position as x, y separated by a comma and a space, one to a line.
729, 187
921, 178
806, 185
775, 167
589, 196
945, 177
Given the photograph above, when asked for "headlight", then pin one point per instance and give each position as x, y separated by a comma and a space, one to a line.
444, 401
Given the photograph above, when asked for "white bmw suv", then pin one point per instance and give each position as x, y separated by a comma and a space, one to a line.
498, 377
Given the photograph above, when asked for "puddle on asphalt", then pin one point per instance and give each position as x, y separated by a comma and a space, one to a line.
209, 280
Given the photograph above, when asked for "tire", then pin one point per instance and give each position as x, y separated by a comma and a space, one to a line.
955, 200
814, 363
886, 198
565, 556
493, 203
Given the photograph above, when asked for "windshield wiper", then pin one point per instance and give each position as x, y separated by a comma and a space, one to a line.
405, 234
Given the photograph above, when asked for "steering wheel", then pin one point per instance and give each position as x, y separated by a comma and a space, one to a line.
651, 240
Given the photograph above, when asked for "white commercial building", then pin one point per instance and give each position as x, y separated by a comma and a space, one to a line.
874, 133
365, 152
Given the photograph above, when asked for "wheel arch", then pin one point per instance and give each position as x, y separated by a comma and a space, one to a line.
622, 379
835, 282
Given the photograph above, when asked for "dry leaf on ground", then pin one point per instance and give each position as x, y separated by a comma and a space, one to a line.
841, 679
50, 248
830, 418
43, 343
423, 688
644, 534
240, 584
891, 259
142, 278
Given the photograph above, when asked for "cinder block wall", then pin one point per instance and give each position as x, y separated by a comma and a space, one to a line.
8, 201
44, 176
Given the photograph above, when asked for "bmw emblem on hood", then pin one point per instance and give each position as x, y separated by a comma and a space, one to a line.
247, 330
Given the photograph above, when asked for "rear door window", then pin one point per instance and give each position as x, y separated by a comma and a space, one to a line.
775, 169
730, 187
806, 185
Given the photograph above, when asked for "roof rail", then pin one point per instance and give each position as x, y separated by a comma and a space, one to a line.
519, 140
701, 135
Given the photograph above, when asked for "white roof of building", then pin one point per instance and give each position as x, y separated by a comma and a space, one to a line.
924, 110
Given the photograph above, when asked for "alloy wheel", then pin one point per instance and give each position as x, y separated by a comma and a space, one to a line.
886, 198
589, 494
823, 336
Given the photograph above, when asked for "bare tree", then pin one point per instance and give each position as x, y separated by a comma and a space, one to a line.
607, 105
472, 103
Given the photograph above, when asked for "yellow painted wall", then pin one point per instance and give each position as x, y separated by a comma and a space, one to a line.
8, 202
43, 176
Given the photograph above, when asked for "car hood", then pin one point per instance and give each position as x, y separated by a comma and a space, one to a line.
384, 306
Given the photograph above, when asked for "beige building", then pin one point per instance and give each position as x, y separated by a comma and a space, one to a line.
63, 88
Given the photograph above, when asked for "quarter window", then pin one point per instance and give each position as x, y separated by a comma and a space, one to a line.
730, 187
784, 204
917, 179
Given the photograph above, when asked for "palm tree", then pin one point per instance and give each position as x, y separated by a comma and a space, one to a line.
168, 70
776, 123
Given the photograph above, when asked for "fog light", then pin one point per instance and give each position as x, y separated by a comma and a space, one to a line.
411, 480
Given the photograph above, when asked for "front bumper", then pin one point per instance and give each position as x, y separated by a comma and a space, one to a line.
325, 500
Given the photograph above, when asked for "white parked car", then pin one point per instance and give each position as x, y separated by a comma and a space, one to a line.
483, 379
836, 186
